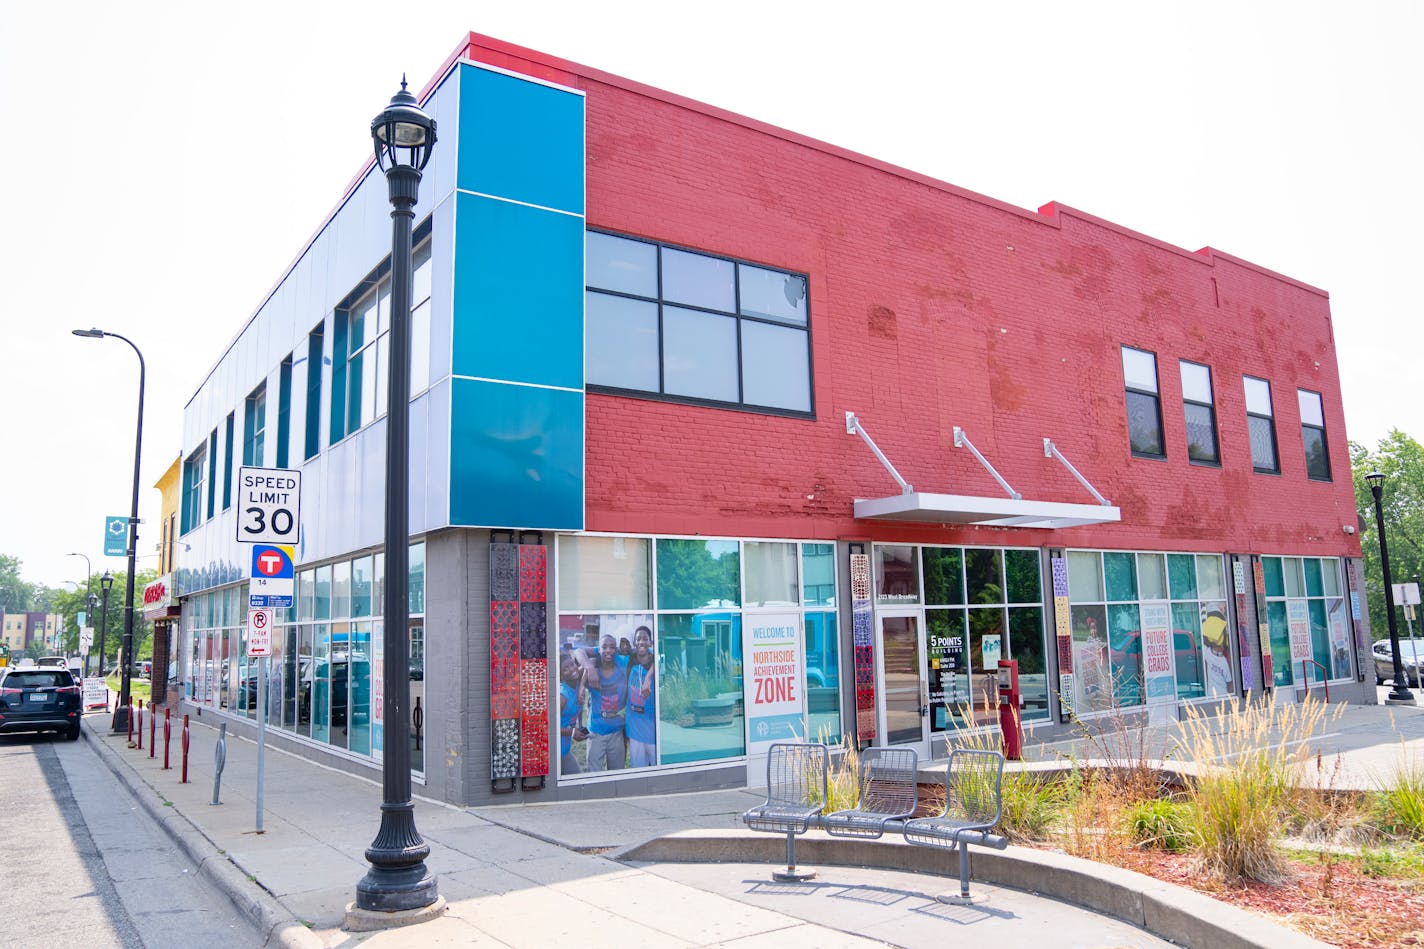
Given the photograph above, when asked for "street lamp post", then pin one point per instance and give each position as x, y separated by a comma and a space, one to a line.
106, 583
88, 590
121, 714
1400, 694
398, 880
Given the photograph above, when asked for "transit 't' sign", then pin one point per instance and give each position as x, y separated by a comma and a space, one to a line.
269, 505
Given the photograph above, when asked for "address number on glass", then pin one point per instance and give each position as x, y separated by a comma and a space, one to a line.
269, 505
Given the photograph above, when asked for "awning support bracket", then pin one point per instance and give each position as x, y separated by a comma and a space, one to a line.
853, 427
961, 440
1050, 450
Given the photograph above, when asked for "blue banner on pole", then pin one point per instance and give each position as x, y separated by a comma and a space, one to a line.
116, 536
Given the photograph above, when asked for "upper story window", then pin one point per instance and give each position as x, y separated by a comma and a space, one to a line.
1312, 433
315, 340
284, 410
227, 462
213, 481
694, 327
1261, 425
194, 479
1144, 405
1200, 411
362, 347
254, 426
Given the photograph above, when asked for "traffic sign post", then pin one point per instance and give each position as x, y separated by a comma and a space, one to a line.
116, 536
259, 646
269, 505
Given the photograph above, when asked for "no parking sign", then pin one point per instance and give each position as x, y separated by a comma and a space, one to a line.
259, 633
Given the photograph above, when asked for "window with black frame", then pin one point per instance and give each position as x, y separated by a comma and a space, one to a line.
1144, 405
695, 327
1312, 434
1261, 426
1199, 409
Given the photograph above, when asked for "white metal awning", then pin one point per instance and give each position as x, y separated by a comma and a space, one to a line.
1011, 511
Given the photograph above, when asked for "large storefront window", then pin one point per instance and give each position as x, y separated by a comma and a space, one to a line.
1147, 627
1305, 610
325, 655
677, 650
981, 604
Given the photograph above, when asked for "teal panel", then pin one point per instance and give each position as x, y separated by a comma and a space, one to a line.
520, 140
516, 456
518, 312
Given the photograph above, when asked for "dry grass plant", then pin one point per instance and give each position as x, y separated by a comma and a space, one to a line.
1250, 771
843, 777
1032, 803
1398, 808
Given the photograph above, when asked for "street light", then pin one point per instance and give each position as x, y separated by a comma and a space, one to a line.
106, 583
88, 591
1400, 694
398, 879
121, 714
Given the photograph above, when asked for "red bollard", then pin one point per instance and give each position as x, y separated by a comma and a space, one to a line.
131, 714
140, 724
152, 730
167, 736
185, 750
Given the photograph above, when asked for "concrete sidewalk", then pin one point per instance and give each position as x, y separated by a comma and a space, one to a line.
536, 876
547, 874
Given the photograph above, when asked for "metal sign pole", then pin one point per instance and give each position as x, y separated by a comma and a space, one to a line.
261, 732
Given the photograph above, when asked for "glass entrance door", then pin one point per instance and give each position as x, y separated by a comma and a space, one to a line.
902, 697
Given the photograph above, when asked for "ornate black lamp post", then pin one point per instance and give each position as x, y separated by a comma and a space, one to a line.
1400, 694
121, 714
398, 879
106, 583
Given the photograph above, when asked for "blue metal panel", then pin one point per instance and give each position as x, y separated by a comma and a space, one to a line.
520, 140
516, 456
518, 293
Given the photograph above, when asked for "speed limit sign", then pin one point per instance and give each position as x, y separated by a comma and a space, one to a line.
269, 505
259, 633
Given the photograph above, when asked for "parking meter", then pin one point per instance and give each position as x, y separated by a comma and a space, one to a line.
1009, 704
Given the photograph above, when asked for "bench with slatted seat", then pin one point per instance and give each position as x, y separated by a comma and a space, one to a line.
889, 794
796, 793
973, 804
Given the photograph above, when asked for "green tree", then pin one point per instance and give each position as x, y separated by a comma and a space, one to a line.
16, 596
1401, 460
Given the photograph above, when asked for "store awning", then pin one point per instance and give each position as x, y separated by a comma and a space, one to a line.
1010, 511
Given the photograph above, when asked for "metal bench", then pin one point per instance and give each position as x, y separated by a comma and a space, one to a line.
796, 793
973, 787
889, 793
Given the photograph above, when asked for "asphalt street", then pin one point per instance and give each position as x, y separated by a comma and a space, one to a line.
84, 865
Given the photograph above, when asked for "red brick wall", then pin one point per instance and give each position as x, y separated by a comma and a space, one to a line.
933, 307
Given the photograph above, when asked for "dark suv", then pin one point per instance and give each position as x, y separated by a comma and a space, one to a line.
39, 699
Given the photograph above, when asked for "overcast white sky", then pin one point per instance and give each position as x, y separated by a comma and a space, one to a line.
165, 162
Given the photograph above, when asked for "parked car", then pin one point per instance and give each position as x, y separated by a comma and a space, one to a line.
1409, 649
39, 699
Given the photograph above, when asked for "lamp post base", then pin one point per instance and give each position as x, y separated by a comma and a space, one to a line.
1400, 697
395, 890
364, 921
121, 719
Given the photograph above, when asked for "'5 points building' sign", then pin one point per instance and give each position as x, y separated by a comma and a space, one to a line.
269, 506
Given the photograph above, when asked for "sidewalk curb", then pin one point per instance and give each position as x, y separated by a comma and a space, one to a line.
1171, 912
273, 920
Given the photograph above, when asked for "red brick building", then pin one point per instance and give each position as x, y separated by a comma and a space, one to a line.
751, 437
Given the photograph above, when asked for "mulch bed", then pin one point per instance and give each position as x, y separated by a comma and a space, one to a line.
1330, 901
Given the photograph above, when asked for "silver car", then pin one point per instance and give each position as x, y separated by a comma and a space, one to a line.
1411, 655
